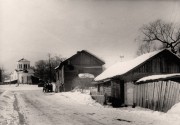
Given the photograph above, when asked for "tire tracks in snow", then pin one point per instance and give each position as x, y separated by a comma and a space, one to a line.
1, 92
58, 114
16, 107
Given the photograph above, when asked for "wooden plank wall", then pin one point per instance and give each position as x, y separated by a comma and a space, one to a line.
158, 96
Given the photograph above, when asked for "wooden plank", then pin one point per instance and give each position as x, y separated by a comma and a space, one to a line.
159, 98
155, 96
140, 93
148, 94
163, 92
178, 93
166, 96
145, 96
171, 91
175, 92
151, 95
159, 95
137, 95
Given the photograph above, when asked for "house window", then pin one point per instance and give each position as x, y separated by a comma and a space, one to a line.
25, 66
20, 66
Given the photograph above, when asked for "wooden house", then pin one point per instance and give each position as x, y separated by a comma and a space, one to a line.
68, 70
117, 82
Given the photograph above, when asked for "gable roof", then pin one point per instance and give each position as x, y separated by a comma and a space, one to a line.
121, 68
23, 60
83, 51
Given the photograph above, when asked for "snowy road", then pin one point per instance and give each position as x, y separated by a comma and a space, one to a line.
33, 107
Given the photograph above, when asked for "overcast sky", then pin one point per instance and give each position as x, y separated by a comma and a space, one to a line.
107, 28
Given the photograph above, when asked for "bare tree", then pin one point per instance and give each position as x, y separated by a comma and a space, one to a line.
3, 74
159, 31
44, 69
82, 83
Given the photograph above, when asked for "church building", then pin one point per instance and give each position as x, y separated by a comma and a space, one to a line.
23, 73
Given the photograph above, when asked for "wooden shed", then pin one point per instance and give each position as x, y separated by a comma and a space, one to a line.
68, 70
117, 82
157, 92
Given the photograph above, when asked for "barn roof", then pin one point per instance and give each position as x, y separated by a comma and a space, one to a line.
83, 51
121, 68
97, 58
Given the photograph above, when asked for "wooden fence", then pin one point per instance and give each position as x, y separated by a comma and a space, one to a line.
158, 96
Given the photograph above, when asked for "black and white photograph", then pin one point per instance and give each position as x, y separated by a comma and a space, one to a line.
89, 62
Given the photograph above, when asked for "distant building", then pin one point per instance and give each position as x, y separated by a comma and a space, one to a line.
82, 64
23, 73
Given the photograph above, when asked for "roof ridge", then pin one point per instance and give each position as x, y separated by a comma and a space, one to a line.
127, 66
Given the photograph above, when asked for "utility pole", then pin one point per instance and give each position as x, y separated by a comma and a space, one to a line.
49, 56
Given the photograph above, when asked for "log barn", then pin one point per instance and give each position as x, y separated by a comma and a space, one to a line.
68, 70
118, 81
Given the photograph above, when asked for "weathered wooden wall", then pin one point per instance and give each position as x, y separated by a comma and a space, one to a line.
163, 63
128, 94
158, 96
82, 62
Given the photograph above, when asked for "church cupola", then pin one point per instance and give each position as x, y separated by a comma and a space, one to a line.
23, 64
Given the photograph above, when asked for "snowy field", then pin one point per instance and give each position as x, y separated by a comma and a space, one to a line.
28, 105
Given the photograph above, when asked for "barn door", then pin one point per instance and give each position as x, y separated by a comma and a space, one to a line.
121, 92
117, 93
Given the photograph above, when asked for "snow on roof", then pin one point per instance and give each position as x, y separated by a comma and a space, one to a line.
85, 75
156, 77
23, 60
121, 68
56, 67
7, 80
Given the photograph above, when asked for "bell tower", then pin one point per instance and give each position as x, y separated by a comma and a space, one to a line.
23, 64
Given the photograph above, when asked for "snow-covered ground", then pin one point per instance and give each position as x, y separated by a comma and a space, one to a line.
27, 104
15, 87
